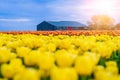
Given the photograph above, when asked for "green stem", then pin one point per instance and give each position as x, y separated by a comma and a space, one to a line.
102, 61
46, 78
0, 72
84, 78
113, 55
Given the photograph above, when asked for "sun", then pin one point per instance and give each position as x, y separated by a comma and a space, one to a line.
104, 6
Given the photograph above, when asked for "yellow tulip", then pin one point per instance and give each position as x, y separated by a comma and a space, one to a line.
51, 47
103, 50
98, 68
94, 57
22, 51
28, 74
84, 65
64, 58
64, 44
102, 75
63, 74
13, 55
7, 71
111, 63
112, 70
16, 61
10, 70
32, 58
46, 61
4, 55
111, 66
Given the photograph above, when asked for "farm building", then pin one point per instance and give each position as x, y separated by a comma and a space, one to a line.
61, 25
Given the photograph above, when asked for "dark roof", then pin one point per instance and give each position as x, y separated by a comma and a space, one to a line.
66, 23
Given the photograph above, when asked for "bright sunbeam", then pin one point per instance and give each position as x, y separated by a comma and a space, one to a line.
103, 6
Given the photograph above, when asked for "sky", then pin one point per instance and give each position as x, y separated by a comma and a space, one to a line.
24, 15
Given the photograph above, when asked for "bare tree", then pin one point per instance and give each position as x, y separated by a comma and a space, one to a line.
117, 27
102, 22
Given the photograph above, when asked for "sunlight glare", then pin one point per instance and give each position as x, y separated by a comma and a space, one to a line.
104, 6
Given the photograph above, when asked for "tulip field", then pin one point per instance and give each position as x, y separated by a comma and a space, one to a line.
60, 55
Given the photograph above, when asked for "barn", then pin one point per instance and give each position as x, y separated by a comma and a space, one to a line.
61, 25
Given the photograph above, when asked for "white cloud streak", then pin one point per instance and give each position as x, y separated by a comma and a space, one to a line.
15, 20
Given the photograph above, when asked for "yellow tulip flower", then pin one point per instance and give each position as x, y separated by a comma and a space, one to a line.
64, 58
84, 65
28, 74
63, 74
22, 51
4, 55
46, 61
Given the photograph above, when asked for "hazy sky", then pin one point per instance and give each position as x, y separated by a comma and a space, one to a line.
26, 14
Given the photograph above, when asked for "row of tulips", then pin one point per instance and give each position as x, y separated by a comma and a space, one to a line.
59, 57
69, 32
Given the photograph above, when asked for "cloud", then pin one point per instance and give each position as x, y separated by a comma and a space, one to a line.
15, 20
17, 24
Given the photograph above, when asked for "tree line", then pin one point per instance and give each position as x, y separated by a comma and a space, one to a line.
103, 22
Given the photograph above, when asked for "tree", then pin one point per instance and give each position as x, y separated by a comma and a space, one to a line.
117, 27
101, 22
